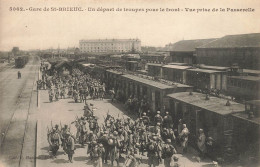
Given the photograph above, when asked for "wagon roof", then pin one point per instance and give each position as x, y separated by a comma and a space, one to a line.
153, 83
215, 104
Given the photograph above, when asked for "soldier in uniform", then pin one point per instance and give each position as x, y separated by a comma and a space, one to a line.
146, 119
70, 146
19, 75
104, 141
167, 121
83, 132
167, 152
113, 148
184, 138
153, 152
57, 95
50, 96
143, 140
54, 141
98, 152
131, 160
91, 141
158, 118
201, 143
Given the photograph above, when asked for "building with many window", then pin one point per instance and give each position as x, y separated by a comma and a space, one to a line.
110, 45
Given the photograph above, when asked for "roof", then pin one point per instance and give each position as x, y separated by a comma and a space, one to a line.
114, 72
88, 65
232, 41
215, 104
251, 71
244, 116
154, 64
153, 83
177, 67
189, 45
109, 40
248, 78
214, 67
255, 102
203, 70
60, 64
179, 64
132, 61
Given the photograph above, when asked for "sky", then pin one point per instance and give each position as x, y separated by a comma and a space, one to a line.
52, 29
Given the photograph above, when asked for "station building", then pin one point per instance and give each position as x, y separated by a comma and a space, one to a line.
109, 45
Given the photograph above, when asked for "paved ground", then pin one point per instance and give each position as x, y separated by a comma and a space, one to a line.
65, 111
17, 99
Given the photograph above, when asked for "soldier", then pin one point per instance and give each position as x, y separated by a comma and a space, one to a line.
165, 134
91, 141
113, 148
167, 152
62, 93
153, 152
158, 118
19, 75
184, 138
54, 141
50, 96
131, 160
82, 134
70, 146
143, 140
201, 143
104, 141
93, 125
167, 121
57, 95
146, 119
98, 152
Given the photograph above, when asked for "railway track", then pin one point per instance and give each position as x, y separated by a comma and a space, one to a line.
12, 143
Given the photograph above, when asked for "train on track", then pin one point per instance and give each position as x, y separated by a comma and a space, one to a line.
21, 61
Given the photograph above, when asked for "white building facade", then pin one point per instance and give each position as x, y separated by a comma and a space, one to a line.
109, 45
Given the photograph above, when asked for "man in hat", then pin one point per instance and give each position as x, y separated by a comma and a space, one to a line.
70, 146
167, 152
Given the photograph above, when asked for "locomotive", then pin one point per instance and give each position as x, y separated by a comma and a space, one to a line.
21, 61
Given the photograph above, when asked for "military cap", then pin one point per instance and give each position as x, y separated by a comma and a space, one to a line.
115, 133
168, 141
